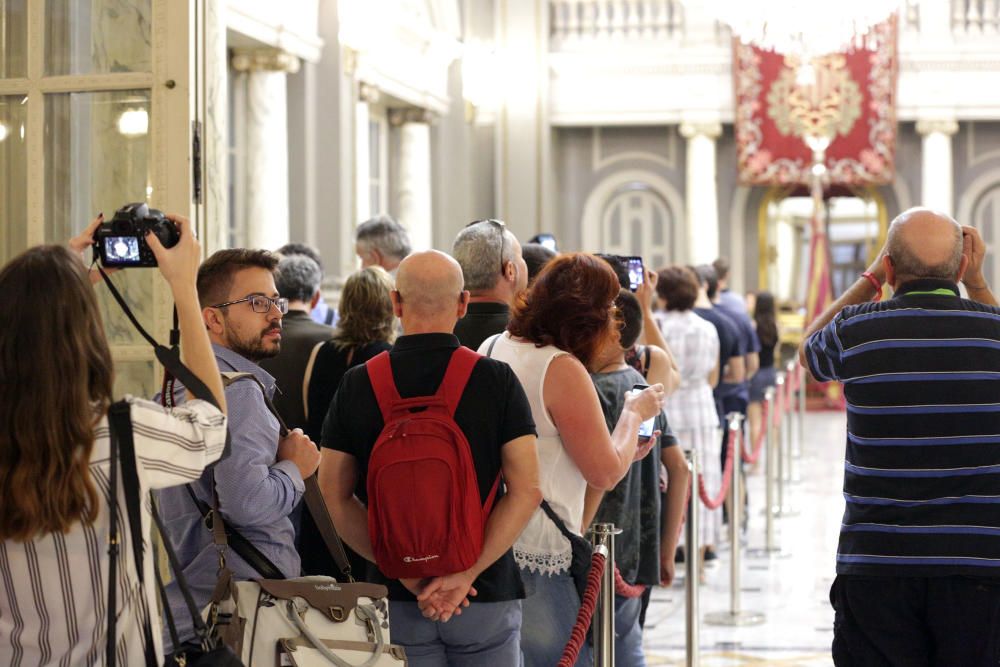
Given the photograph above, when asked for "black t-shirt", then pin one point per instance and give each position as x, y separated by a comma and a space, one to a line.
493, 411
328, 369
482, 320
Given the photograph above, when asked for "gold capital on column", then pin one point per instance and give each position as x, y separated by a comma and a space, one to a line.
937, 125
401, 116
264, 60
710, 129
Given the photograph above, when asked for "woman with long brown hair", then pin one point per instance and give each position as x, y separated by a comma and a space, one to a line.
366, 327
56, 378
554, 335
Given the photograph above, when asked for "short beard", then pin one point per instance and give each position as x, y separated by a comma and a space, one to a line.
252, 348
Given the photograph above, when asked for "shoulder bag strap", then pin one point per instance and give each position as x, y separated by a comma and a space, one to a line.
123, 449
463, 360
225, 536
112, 606
313, 498
557, 520
307, 377
645, 361
201, 629
493, 343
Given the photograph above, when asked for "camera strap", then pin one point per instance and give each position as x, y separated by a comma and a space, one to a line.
170, 357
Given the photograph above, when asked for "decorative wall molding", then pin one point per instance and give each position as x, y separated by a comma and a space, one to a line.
600, 160
967, 198
975, 157
288, 26
599, 196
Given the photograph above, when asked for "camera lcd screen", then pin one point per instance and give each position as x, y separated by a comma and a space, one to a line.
121, 249
635, 272
548, 241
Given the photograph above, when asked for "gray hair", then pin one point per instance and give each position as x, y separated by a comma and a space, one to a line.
907, 263
301, 249
385, 235
477, 250
298, 277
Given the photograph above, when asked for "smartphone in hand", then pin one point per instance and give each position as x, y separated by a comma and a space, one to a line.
646, 427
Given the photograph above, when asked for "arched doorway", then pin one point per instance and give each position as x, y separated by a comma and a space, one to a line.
856, 223
635, 213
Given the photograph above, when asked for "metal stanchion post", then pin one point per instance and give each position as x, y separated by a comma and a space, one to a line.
785, 450
735, 615
692, 555
770, 509
604, 627
779, 450
794, 437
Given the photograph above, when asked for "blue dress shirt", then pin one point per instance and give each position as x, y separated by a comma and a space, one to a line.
257, 496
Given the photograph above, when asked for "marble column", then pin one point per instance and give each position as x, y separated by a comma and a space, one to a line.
266, 167
701, 205
937, 189
413, 187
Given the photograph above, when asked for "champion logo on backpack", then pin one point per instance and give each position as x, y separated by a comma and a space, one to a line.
419, 559
420, 448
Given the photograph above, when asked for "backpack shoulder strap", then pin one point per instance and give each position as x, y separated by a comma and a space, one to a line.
380, 375
463, 360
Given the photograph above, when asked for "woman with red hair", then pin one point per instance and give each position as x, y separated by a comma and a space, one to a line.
555, 332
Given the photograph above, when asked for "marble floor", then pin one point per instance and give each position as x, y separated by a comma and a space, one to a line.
790, 588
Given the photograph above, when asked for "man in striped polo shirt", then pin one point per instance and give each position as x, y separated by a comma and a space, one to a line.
918, 565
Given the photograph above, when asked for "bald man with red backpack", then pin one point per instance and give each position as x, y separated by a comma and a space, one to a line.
430, 472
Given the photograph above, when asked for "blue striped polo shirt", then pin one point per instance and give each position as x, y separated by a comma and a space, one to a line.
921, 374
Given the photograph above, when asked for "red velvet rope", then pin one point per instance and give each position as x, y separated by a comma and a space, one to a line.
583, 617
625, 589
758, 445
727, 477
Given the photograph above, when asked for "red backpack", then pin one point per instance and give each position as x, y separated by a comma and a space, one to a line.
425, 518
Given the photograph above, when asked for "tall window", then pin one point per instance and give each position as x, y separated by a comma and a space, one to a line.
84, 105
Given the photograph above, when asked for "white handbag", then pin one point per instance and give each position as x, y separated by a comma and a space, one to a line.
305, 622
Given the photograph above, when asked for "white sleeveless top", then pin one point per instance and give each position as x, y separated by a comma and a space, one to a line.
541, 547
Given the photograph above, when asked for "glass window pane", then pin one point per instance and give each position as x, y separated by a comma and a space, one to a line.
97, 148
13, 175
97, 36
13, 39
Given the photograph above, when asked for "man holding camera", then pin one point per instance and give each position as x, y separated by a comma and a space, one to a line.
261, 482
918, 564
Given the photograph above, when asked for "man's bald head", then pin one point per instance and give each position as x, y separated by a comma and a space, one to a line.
430, 284
925, 244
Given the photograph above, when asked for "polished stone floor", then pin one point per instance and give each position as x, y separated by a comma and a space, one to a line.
790, 588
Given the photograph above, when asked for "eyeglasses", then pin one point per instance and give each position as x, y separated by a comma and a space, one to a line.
260, 303
501, 227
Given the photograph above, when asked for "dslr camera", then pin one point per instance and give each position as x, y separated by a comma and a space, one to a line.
121, 242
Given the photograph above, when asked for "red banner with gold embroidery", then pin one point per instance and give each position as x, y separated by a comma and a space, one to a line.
849, 97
